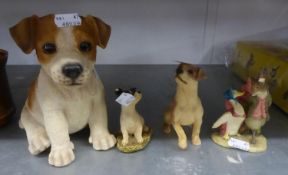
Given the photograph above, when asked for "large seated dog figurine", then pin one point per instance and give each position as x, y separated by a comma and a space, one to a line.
67, 94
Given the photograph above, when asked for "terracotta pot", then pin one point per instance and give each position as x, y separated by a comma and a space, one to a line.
6, 104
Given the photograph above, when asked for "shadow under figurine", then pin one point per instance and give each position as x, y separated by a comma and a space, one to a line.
185, 108
135, 134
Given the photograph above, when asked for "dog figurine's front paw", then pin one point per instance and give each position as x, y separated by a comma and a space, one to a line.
38, 143
102, 142
182, 144
140, 140
196, 140
63, 156
124, 142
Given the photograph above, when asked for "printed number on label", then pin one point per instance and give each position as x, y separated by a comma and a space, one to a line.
240, 144
67, 20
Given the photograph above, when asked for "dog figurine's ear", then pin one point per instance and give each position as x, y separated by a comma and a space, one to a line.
201, 75
102, 30
24, 32
133, 90
197, 73
118, 92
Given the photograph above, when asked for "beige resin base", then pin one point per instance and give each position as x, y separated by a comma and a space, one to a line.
133, 146
260, 146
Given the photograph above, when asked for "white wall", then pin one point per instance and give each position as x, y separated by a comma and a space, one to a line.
159, 31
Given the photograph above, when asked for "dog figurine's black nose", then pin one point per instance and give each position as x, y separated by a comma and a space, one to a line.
72, 70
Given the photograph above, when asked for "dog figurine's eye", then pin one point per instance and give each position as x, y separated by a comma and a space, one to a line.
133, 90
85, 46
49, 48
190, 71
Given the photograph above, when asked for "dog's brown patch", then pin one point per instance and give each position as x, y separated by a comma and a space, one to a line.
193, 71
46, 33
24, 32
94, 31
32, 94
101, 29
33, 32
86, 33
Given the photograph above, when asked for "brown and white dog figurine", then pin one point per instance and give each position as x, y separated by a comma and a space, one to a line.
68, 94
186, 107
132, 123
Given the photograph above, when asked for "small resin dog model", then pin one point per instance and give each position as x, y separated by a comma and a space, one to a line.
132, 123
231, 121
67, 94
258, 105
186, 107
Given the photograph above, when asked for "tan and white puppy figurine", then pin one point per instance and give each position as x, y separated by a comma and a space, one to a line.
67, 94
132, 123
186, 107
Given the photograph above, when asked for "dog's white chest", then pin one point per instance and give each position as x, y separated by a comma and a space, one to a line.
130, 121
77, 114
186, 115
